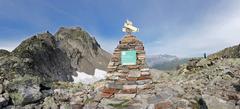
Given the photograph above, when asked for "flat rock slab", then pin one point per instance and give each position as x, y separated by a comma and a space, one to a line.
125, 96
126, 87
145, 73
134, 74
145, 70
112, 103
142, 82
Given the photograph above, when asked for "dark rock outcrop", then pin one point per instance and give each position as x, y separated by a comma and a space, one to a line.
4, 52
83, 50
40, 56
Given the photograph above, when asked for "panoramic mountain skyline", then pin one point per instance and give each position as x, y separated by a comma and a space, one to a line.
179, 28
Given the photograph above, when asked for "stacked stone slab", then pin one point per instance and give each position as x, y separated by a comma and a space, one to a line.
125, 81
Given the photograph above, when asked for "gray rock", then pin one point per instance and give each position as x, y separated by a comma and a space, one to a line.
83, 50
40, 56
26, 95
217, 103
49, 103
93, 105
134, 74
154, 99
142, 82
1, 88
124, 96
151, 106
3, 102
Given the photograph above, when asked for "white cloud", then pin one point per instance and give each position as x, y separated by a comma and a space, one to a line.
218, 29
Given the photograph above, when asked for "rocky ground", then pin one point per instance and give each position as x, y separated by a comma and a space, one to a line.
200, 84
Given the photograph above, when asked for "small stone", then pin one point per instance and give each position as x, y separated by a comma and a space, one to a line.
106, 95
120, 81
112, 67
1, 89
91, 105
151, 106
112, 77
134, 74
140, 51
141, 56
111, 64
133, 67
115, 74
98, 97
125, 96
115, 86
76, 100
49, 103
3, 102
79, 93
141, 82
115, 59
109, 90
131, 79
164, 105
145, 73
128, 91
238, 103
144, 77
139, 48
126, 87
145, 70
130, 82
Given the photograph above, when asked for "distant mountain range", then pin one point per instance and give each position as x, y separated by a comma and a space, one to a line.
165, 62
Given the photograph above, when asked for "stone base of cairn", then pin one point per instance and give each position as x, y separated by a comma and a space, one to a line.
125, 81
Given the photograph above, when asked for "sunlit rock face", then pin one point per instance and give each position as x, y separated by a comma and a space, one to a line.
83, 50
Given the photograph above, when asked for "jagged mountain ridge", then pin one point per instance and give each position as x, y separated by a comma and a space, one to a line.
56, 57
84, 52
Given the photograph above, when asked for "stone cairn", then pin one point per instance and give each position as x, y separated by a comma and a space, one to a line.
125, 81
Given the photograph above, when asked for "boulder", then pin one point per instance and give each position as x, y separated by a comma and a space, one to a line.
217, 103
3, 102
49, 103
26, 95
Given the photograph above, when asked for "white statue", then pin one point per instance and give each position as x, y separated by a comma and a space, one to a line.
129, 28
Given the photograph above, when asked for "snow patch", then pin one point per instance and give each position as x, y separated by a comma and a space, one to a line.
89, 79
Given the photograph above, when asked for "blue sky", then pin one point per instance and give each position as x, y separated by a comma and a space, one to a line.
178, 27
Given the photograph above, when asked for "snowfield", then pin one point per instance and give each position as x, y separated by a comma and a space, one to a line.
89, 79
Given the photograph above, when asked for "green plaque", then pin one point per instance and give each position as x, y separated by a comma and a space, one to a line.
128, 57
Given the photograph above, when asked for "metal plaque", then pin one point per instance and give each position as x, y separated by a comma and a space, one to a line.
128, 57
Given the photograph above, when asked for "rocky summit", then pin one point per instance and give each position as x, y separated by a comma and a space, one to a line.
84, 51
